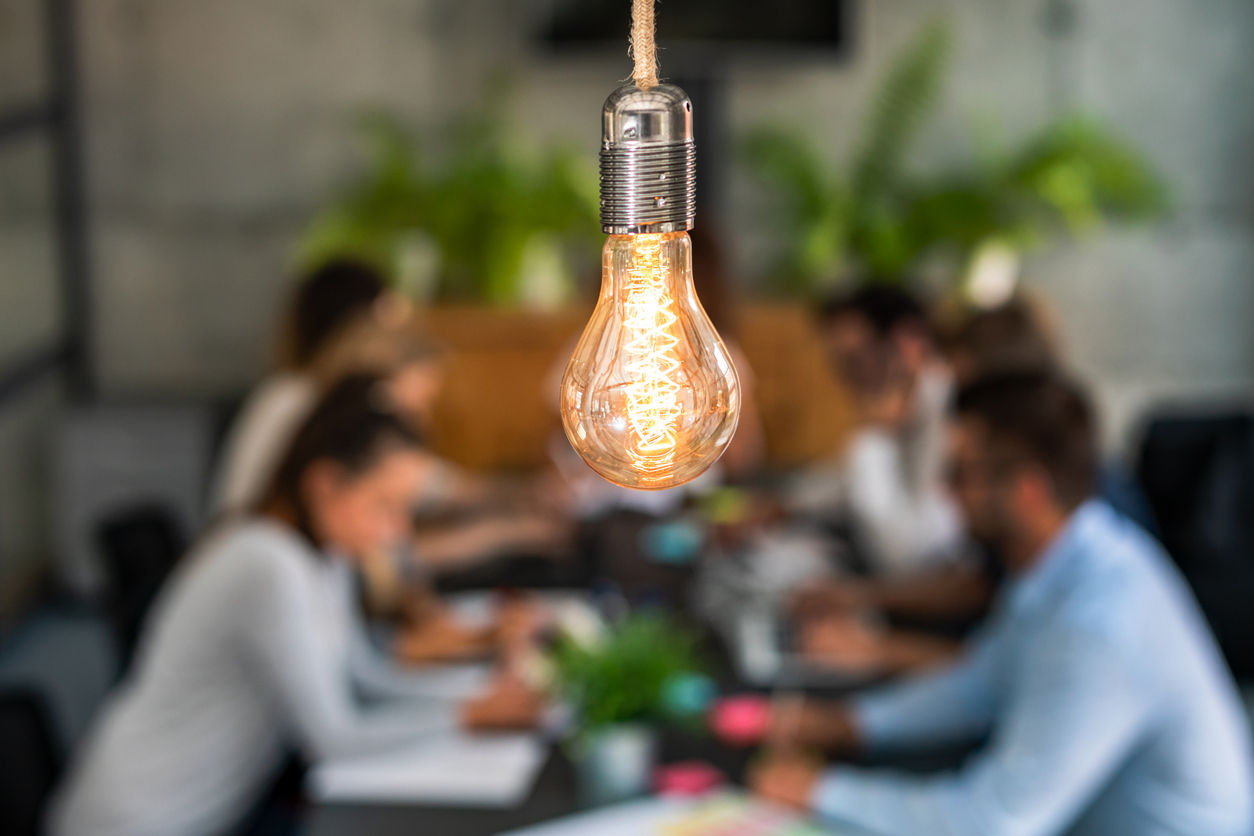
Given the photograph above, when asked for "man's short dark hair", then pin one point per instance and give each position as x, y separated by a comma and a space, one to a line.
1044, 418
884, 307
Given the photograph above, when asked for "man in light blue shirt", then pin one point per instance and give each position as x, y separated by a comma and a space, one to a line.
1107, 708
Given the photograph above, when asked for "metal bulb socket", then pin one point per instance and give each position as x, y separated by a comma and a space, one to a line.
648, 161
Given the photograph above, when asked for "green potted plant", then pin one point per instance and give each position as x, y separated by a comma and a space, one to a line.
487, 221
879, 220
621, 683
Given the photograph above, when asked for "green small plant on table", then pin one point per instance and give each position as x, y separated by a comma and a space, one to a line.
644, 669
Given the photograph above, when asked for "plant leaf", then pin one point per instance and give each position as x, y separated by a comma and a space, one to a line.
902, 106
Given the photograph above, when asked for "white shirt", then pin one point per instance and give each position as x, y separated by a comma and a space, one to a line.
252, 650
259, 437
890, 482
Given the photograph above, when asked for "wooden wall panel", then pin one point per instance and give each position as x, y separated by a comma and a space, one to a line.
495, 415
805, 413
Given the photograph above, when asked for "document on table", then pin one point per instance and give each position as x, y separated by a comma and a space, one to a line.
456, 770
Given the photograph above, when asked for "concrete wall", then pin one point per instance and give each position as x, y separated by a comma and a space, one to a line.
216, 127
1147, 315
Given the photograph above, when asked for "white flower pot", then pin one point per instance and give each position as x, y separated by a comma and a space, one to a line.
616, 763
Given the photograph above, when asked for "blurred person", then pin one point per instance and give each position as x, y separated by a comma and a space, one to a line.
1104, 702
888, 483
854, 640
392, 347
320, 307
1011, 338
397, 582
1019, 336
255, 647
378, 338
391, 344
1006, 339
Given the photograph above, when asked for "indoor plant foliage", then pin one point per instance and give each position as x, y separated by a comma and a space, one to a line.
627, 673
878, 220
485, 222
620, 683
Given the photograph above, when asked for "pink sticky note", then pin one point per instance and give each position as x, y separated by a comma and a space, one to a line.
686, 778
741, 720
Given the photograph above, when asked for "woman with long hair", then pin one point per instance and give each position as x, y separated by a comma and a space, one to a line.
253, 649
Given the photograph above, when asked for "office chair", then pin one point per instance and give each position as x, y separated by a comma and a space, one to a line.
1198, 474
139, 547
30, 761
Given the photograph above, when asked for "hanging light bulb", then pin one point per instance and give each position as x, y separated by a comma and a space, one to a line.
650, 398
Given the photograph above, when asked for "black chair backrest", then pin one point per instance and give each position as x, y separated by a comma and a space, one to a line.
140, 547
1198, 474
29, 761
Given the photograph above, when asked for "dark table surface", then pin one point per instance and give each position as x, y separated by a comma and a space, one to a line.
554, 795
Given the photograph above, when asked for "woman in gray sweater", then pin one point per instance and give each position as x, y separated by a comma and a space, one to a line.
252, 650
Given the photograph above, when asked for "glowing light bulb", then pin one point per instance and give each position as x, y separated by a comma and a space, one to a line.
650, 398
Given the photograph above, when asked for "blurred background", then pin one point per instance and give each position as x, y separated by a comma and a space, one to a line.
212, 143
169, 167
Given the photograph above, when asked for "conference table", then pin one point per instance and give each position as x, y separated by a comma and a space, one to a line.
556, 793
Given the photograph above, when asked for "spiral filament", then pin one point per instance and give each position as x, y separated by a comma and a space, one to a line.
650, 396
650, 357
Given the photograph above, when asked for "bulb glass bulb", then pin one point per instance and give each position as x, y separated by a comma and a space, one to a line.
650, 398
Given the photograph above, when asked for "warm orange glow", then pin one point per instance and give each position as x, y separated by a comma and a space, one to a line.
650, 397
651, 360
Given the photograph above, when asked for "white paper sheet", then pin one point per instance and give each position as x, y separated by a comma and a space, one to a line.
456, 770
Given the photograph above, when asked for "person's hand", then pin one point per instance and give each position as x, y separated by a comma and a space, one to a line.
520, 621
420, 605
821, 598
797, 723
440, 638
846, 641
509, 705
786, 778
